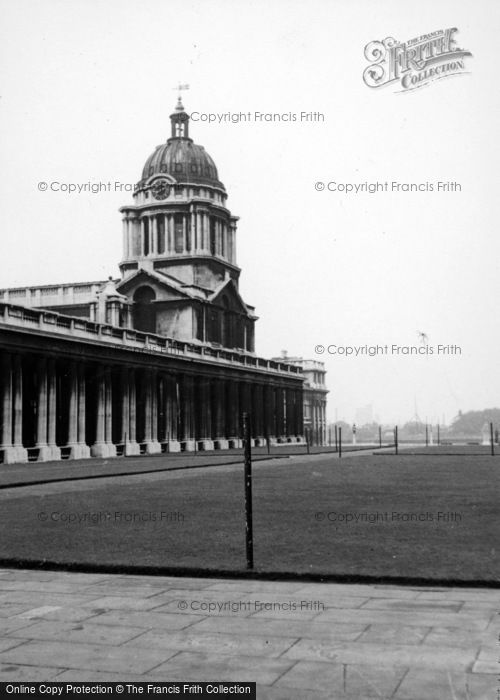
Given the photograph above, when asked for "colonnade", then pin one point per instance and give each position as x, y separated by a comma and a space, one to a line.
193, 232
316, 420
53, 408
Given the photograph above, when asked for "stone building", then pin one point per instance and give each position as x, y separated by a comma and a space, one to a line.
315, 391
161, 358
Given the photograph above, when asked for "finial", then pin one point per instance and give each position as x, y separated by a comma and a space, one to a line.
180, 107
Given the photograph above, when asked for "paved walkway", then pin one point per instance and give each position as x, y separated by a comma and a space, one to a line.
298, 641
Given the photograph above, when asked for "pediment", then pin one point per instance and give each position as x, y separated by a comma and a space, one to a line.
163, 288
227, 296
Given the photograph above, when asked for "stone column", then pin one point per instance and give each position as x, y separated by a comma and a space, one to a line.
18, 405
233, 413
76, 432
205, 441
109, 412
42, 395
280, 415
206, 232
267, 407
171, 242
154, 235
12, 411
128, 429
299, 415
192, 226
73, 407
6, 401
103, 446
131, 238
290, 414
170, 414
151, 414
199, 233
184, 230
12, 384
221, 430
142, 236
52, 409
187, 407
45, 453
258, 414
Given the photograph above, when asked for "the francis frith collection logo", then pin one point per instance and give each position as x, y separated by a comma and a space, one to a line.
416, 62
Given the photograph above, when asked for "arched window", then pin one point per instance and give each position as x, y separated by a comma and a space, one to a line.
144, 313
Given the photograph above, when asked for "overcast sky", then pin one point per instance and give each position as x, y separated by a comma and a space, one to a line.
86, 91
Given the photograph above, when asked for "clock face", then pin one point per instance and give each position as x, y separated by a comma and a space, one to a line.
160, 189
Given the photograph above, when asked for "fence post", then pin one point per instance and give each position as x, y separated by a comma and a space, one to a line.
426, 435
396, 439
248, 491
340, 441
439, 436
336, 439
308, 436
379, 436
492, 442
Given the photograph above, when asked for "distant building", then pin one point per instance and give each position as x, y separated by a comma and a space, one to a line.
364, 415
315, 392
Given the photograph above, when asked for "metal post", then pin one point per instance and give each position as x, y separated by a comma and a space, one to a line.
426, 435
439, 436
379, 436
308, 438
340, 441
492, 440
268, 443
396, 439
336, 439
248, 491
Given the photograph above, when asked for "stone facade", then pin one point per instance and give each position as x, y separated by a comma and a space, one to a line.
315, 397
160, 359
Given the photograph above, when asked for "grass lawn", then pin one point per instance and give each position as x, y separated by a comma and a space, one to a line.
203, 522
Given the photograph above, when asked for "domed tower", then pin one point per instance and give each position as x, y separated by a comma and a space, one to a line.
179, 232
179, 223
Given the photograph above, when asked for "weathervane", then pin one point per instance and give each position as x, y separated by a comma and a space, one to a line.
180, 87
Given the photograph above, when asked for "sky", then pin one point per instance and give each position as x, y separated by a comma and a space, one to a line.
86, 91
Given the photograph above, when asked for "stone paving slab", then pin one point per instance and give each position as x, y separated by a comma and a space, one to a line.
437, 685
370, 642
86, 656
338, 679
281, 628
388, 654
15, 672
207, 666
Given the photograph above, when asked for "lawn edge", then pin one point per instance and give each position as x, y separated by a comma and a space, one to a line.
193, 572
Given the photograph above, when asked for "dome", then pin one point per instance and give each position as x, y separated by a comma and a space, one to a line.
185, 161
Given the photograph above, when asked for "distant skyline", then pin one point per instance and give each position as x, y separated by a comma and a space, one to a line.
89, 99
